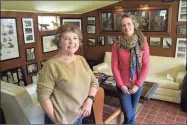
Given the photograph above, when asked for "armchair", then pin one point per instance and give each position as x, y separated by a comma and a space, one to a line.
20, 104
115, 118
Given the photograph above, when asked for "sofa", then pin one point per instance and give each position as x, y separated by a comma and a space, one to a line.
168, 72
20, 105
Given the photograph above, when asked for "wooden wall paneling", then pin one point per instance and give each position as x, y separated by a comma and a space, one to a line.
21, 62
97, 53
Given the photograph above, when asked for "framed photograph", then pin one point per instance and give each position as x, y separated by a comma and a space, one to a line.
48, 44
34, 78
158, 20
91, 21
155, 41
9, 39
42, 63
32, 68
28, 30
48, 23
167, 42
101, 41
181, 45
72, 21
14, 76
91, 42
181, 29
107, 21
90, 29
117, 25
182, 12
111, 39
30, 54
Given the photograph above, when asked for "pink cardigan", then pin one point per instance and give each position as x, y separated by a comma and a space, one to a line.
121, 66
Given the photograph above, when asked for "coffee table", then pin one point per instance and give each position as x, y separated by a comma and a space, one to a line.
111, 90
149, 89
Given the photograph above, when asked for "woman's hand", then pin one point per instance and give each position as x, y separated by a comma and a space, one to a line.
86, 108
133, 89
125, 90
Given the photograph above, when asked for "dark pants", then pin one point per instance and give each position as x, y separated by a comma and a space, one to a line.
47, 120
128, 105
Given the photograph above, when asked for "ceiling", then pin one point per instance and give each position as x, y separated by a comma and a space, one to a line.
64, 7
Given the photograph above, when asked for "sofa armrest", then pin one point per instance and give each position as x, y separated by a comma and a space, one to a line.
180, 77
34, 111
31, 89
100, 66
116, 118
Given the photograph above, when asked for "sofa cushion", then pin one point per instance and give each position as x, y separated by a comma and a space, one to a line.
166, 65
163, 82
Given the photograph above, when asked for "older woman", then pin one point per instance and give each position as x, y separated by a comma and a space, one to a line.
66, 85
130, 64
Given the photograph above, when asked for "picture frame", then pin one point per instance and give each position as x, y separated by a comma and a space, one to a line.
167, 42
91, 42
30, 54
9, 39
48, 23
181, 45
91, 29
111, 39
34, 79
158, 20
181, 29
107, 21
32, 68
73, 21
182, 12
28, 30
91, 21
101, 41
155, 41
14, 76
48, 43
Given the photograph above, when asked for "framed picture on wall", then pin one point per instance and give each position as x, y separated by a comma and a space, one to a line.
158, 20
180, 51
155, 41
101, 41
72, 21
167, 42
48, 44
15, 76
48, 23
91, 21
90, 29
32, 68
182, 12
9, 39
181, 29
111, 39
34, 78
30, 54
107, 21
91, 42
28, 30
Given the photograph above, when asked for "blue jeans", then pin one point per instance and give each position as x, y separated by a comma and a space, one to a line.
47, 120
128, 105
